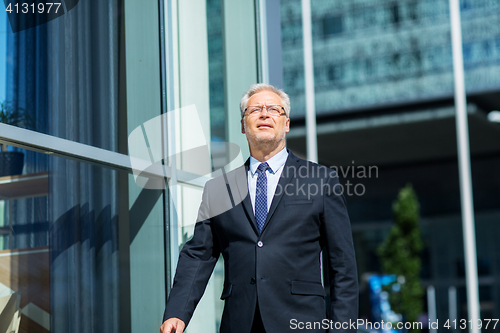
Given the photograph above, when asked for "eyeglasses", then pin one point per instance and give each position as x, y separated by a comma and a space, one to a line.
273, 110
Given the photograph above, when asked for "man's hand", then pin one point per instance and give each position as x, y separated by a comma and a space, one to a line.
172, 325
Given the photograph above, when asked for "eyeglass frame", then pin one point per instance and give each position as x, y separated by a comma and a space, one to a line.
262, 109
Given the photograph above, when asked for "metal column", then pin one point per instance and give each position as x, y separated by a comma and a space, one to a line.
312, 146
464, 169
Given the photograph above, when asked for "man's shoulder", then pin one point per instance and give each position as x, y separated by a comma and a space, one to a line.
225, 191
231, 185
300, 167
221, 177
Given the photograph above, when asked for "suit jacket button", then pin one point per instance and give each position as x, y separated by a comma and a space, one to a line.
252, 281
260, 244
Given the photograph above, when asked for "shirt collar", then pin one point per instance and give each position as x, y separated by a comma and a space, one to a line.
275, 162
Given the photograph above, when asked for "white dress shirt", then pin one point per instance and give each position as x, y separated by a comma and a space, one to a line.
276, 164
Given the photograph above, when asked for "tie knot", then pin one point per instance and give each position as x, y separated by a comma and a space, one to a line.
263, 167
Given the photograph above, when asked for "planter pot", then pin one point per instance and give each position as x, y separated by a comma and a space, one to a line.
11, 163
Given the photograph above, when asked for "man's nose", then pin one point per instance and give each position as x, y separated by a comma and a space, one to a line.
264, 109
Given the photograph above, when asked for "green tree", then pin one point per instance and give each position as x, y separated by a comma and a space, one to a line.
400, 255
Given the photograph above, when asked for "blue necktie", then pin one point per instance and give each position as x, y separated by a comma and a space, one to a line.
261, 196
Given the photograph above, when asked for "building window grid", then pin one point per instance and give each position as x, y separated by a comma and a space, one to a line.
402, 50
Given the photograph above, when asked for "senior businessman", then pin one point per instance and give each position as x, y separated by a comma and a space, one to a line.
270, 219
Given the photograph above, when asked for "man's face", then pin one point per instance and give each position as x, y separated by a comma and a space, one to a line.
263, 128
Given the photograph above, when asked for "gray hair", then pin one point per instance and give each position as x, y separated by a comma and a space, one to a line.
257, 88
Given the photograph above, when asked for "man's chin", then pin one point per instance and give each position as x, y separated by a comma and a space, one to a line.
265, 139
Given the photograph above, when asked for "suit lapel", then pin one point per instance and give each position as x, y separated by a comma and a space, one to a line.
242, 185
286, 176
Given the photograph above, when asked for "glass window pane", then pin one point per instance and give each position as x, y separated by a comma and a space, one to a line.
80, 243
208, 312
61, 77
216, 70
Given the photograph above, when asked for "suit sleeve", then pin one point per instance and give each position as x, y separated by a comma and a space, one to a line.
197, 260
341, 258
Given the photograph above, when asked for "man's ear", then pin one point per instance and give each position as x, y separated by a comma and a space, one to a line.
287, 125
242, 127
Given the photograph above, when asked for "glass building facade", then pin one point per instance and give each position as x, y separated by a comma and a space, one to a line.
87, 243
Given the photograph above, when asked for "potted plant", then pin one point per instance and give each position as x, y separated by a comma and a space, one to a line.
11, 162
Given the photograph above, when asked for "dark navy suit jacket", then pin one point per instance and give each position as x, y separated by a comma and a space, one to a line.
280, 267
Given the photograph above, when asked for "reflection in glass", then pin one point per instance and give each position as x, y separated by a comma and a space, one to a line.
84, 273
64, 73
59, 247
216, 70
